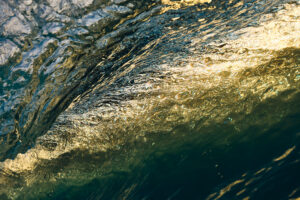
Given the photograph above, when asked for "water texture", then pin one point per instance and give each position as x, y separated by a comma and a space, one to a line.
148, 99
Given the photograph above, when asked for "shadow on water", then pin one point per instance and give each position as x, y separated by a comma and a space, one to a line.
191, 170
238, 139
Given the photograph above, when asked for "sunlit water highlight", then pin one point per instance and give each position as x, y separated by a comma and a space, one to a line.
179, 100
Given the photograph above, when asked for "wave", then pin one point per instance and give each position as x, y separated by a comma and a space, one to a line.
94, 94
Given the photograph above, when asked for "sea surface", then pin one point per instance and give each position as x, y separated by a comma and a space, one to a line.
150, 99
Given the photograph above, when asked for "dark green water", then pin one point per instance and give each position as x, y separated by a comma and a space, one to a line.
149, 99
193, 171
199, 166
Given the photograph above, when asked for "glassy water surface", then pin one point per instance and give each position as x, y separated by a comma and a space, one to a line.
128, 99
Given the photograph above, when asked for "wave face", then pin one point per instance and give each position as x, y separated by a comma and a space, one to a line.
126, 99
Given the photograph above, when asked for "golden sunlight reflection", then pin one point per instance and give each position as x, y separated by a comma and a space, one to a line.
285, 154
185, 89
215, 83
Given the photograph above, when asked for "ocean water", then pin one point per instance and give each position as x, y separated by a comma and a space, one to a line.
128, 99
